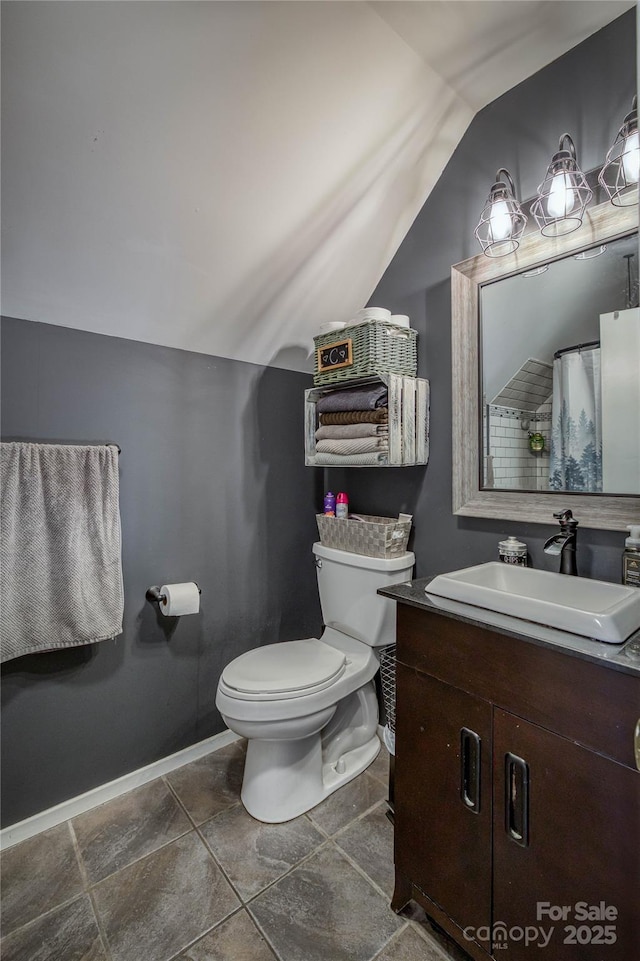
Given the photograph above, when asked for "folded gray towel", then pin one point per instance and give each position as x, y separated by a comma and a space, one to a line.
351, 460
378, 416
367, 397
340, 431
352, 445
60, 565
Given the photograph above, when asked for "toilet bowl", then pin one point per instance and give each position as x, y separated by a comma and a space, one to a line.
308, 708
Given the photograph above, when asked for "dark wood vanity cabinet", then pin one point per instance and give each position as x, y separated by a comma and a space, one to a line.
517, 799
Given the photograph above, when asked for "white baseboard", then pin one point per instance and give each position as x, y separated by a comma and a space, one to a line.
106, 792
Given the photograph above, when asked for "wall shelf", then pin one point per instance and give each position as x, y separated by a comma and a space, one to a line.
408, 419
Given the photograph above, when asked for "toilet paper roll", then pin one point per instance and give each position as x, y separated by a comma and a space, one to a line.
180, 599
372, 313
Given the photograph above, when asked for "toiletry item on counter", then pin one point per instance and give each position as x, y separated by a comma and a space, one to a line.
342, 505
513, 551
330, 504
631, 557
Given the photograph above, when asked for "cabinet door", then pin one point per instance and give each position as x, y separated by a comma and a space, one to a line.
566, 839
443, 795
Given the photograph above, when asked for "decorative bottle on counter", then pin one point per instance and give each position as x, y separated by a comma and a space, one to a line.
342, 505
513, 551
631, 557
330, 504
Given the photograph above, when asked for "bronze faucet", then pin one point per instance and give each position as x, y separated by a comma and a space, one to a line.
565, 542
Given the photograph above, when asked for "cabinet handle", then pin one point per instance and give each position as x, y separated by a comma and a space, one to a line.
470, 769
517, 799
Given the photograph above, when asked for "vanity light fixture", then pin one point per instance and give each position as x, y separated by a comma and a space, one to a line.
502, 221
590, 254
535, 271
563, 194
619, 175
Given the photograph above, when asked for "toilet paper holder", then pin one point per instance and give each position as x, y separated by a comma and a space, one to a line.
155, 596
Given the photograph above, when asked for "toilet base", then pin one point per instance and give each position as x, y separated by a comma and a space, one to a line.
284, 779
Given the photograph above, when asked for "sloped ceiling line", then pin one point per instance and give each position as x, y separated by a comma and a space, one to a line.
225, 177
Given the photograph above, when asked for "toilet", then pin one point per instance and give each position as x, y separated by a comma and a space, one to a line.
309, 708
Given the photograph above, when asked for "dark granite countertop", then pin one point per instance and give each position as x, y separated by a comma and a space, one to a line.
620, 657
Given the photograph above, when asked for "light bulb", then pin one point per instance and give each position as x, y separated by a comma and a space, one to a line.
631, 159
562, 196
500, 221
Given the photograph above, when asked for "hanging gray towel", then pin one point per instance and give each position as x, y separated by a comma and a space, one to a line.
61, 559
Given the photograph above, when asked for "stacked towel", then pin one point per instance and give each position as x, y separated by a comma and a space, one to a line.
352, 445
369, 397
353, 426
379, 416
353, 460
351, 430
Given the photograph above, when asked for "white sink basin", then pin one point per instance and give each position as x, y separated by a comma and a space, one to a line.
597, 609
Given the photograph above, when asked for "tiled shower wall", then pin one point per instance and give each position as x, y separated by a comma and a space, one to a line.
509, 463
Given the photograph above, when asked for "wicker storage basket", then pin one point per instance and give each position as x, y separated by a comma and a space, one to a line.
376, 346
373, 536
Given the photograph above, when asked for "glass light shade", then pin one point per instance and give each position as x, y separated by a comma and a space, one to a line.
563, 194
619, 175
501, 222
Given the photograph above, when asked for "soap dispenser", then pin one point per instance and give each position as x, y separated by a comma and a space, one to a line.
631, 557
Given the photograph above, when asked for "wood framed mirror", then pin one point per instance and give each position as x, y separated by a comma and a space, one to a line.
471, 497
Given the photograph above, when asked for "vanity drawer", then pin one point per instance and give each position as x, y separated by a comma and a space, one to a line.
594, 705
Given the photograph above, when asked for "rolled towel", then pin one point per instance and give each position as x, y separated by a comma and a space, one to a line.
352, 445
351, 430
352, 460
379, 416
368, 397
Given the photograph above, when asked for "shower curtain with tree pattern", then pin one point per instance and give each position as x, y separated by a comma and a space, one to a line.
576, 438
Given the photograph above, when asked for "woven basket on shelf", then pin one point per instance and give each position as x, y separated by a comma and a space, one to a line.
373, 536
376, 346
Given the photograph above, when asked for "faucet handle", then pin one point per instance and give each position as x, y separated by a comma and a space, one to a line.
567, 520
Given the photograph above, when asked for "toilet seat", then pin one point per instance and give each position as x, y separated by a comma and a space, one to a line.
285, 670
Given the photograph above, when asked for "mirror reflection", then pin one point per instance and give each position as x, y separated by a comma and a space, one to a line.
560, 375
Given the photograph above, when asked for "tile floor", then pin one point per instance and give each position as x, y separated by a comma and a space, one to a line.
176, 870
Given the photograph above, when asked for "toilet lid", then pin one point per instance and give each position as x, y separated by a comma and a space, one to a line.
291, 666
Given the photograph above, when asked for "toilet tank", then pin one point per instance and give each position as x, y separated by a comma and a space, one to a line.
348, 583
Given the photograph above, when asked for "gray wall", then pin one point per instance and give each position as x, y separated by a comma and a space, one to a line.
587, 92
213, 488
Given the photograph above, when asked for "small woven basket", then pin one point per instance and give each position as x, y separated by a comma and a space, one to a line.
373, 536
376, 346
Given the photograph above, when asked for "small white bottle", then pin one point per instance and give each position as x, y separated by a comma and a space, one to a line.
631, 557
513, 551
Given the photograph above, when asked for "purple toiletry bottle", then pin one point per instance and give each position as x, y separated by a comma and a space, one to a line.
330, 504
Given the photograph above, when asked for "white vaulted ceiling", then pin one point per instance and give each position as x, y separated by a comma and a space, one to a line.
225, 176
